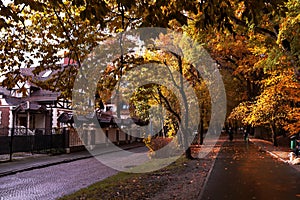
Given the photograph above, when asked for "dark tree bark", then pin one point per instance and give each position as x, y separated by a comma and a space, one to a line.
274, 134
188, 153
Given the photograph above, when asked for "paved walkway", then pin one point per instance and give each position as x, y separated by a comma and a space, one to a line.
247, 171
280, 153
37, 161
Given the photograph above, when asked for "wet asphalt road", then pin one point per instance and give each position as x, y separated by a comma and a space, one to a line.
56, 181
243, 172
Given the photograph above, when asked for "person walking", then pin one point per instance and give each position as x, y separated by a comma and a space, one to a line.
246, 138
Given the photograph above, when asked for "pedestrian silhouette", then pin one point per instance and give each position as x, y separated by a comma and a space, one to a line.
246, 135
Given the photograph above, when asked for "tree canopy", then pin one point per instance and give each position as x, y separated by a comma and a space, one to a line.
255, 43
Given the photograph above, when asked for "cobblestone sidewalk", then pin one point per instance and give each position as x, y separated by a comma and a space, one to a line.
25, 162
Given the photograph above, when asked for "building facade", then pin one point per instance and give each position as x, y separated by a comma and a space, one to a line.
36, 110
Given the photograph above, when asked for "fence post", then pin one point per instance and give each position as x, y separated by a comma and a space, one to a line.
118, 136
51, 141
66, 138
32, 141
93, 137
106, 136
130, 137
11, 144
126, 138
85, 135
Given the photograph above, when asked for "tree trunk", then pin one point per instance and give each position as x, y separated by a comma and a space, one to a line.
274, 134
186, 145
201, 131
188, 153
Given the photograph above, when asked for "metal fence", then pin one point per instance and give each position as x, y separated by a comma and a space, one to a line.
60, 140
13, 140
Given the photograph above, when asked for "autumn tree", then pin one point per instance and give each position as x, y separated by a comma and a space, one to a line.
33, 30
251, 41
257, 45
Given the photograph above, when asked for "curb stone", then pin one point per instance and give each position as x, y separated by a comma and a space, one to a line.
296, 167
209, 172
282, 160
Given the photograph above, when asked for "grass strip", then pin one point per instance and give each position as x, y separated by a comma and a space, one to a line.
129, 185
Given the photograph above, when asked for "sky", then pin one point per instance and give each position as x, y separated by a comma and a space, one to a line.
5, 2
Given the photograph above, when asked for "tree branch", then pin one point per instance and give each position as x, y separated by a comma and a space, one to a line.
168, 106
257, 29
